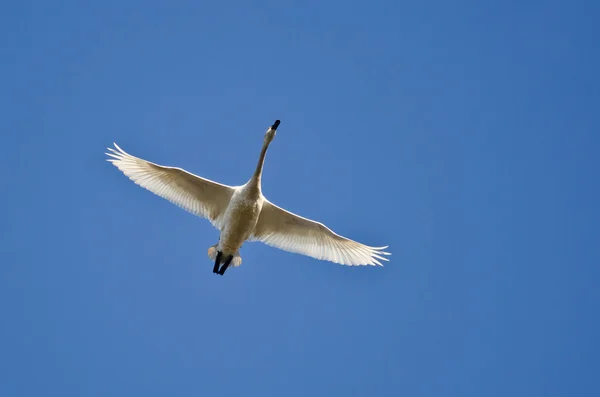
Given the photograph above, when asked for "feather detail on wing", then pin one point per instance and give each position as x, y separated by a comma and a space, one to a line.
290, 232
200, 196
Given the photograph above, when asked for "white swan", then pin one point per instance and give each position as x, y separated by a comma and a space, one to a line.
242, 213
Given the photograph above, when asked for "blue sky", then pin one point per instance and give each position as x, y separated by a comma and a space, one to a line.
463, 134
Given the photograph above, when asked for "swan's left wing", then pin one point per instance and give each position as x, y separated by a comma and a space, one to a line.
200, 196
290, 232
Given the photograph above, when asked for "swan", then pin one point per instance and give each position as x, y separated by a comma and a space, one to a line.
242, 213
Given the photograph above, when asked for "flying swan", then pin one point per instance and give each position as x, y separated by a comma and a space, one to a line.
242, 213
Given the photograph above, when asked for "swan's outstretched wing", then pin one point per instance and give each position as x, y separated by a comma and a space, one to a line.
287, 231
197, 195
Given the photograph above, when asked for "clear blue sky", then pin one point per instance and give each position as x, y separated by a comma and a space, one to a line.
463, 134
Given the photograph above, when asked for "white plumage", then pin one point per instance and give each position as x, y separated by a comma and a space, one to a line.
242, 213
200, 196
290, 232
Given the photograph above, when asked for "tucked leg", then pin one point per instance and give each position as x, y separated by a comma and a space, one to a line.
217, 262
225, 265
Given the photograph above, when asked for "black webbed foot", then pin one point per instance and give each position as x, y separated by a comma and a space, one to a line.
217, 262
226, 265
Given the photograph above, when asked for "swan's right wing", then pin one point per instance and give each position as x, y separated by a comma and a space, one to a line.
200, 196
290, 232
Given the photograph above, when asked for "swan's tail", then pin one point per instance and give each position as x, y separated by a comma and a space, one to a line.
212, 254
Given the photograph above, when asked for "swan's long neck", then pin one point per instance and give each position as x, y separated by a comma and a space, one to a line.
255, 181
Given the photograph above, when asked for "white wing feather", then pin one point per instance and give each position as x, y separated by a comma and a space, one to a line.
290, 232
200, 196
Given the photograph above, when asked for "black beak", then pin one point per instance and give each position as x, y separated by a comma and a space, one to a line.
275, 125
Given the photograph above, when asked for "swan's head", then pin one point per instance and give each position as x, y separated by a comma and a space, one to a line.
270, 134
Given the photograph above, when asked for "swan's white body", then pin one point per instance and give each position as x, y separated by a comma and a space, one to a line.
242, 213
